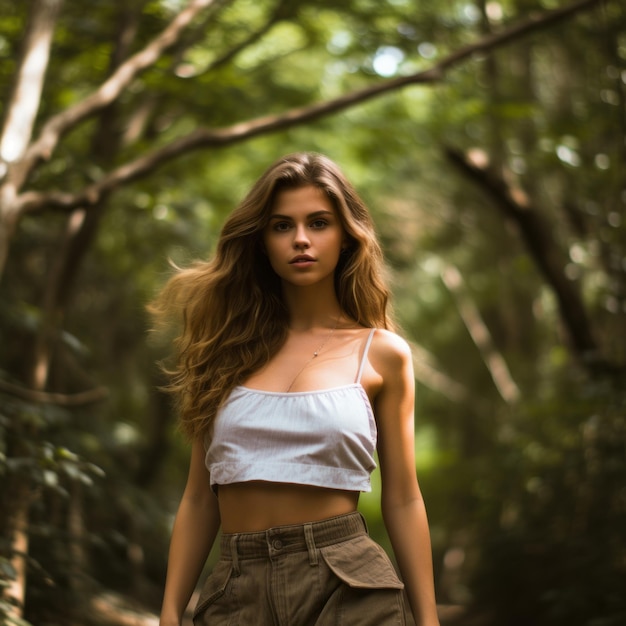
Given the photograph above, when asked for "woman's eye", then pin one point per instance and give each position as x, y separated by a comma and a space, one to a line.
319, 224
281, 227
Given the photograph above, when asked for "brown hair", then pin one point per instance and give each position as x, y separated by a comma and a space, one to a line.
234, 318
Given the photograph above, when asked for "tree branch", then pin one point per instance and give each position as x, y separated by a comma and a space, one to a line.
476, 327
433, 378
281, 11
536, 233
91, 396
204, 138
109, 91
536, 21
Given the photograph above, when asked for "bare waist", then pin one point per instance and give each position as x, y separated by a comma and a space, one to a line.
256, 505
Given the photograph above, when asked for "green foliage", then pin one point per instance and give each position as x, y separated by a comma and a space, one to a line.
525, 499
35, 465
550, 528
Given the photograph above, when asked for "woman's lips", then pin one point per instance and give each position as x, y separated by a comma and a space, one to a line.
302, 260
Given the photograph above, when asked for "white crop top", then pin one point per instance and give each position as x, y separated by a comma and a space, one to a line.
324, 438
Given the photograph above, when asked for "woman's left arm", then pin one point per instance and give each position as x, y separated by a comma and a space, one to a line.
403, 507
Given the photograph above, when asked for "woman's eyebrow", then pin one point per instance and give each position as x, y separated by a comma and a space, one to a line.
279, 216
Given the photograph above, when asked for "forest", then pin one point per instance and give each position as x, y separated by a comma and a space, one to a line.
488, 138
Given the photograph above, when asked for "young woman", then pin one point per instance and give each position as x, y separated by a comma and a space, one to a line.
288, 377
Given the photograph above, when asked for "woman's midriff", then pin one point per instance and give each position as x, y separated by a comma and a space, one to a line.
256, 506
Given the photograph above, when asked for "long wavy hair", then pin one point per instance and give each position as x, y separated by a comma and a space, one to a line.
233, 315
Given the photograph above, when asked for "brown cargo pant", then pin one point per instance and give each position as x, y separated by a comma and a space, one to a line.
327, 573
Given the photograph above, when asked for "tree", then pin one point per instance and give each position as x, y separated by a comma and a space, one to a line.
125, 119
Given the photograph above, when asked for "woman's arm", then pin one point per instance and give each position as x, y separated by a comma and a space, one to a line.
403, 508
195, 528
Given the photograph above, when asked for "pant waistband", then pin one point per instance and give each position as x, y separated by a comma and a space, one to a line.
292, 538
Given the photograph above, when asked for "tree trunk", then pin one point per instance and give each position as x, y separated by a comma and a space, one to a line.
21, 112
24, 102
536, 234
17, 500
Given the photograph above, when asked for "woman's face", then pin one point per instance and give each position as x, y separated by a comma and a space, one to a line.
304, 236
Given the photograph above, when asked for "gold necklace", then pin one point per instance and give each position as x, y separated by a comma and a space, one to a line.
320, 347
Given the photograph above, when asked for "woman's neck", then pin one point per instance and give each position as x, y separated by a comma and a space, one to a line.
312, 308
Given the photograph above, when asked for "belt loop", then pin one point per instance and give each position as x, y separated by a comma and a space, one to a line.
310, 543
234, 555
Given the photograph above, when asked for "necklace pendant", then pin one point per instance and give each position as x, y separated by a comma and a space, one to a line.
319, 349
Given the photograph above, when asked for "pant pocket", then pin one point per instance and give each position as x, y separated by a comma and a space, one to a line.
214, 588
362, 564
371, 592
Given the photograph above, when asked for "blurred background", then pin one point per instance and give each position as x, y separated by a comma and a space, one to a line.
488, 139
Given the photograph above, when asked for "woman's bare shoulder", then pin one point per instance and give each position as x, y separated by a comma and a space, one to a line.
389, 350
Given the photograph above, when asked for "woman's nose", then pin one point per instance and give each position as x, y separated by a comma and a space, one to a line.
301, 238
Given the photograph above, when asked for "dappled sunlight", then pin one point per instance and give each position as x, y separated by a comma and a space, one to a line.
490, 152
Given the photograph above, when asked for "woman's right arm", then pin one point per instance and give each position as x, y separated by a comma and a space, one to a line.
194, 532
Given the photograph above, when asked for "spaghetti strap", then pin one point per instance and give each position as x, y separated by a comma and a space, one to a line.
364, 357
